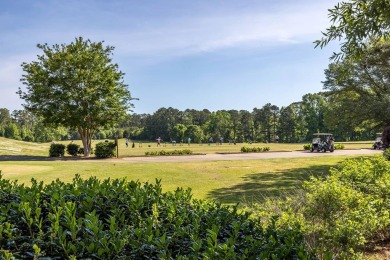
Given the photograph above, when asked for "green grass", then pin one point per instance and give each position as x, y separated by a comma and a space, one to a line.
225, 181
17, 148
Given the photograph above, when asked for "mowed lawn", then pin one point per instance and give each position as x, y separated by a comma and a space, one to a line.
225, 181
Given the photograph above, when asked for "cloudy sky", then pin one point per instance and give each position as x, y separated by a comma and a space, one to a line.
218, 54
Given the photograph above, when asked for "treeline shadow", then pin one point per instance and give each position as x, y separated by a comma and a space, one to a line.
257, 187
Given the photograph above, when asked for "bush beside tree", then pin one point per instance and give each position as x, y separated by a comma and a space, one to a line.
73, 149
57, 150
105, 149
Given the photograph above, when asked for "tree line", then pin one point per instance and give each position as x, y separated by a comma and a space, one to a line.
296, 122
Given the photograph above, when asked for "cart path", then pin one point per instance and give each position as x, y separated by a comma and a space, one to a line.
243, 156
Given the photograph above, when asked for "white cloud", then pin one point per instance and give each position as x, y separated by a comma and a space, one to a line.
211, 30
200, 33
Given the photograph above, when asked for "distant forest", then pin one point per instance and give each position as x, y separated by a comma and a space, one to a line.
297, 122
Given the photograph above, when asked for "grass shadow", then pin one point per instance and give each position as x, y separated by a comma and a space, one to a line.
42, 158
256, 187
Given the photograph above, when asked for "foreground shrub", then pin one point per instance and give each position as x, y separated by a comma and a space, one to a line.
57, 150
116, 219
351, 206
339, 214
254, 149
174, 152
105, 149
386, 154
72, 149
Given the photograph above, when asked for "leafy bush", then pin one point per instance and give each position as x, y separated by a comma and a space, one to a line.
386, 154
307, 146
339, 146
174, 152
105, 149
254, 149
350, 206
339, 214
72, 149
57, 150
116, 219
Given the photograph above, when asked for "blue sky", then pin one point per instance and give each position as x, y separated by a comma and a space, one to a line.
182, 54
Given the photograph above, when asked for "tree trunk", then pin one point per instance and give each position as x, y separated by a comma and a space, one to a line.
86, 138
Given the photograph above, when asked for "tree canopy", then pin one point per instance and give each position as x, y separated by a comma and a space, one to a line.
359, 23
76, 86
363, 86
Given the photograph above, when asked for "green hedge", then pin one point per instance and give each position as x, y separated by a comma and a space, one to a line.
174, 152
254, 149
117, 219
57, 150
105, 149
72, 149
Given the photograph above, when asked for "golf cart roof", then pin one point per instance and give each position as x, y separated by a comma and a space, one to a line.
318, 134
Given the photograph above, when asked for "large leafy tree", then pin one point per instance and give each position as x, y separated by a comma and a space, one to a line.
363, 86
358, 23
76, 86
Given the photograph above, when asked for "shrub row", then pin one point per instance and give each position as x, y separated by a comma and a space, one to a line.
117, 219
174, 152
103, 150
341, 213
254, 149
